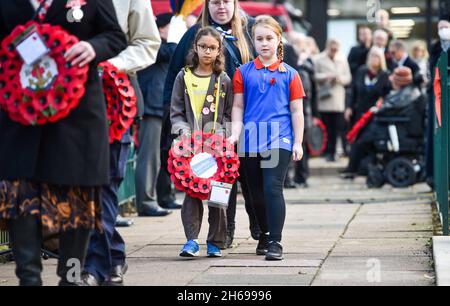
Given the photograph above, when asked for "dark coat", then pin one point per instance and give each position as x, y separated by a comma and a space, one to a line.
75, 150
363, 96
151, 81
357, 58
418, 79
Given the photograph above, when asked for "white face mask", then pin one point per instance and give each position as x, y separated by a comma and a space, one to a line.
444, 33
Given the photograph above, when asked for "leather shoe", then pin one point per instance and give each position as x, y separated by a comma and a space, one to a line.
116, 276
171, 205
88, 280
155, 212
122, 222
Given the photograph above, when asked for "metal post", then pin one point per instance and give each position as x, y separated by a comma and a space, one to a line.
444, 181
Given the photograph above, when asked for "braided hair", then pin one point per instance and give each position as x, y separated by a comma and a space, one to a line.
272, 24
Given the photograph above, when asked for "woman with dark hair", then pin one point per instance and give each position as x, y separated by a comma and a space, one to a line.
235, 27
51, 175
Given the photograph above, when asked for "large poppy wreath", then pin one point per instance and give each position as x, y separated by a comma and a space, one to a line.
120, 99
188, 157
46, 91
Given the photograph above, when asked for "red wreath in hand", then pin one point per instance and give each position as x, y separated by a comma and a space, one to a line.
120, 99
356, 129
46, 91
188, 146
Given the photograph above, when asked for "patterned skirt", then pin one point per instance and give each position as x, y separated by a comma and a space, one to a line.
60, 208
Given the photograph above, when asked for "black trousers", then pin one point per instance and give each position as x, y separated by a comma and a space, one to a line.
265, 177
334, 124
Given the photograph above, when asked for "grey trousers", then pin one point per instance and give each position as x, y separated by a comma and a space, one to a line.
148, 162
192, 216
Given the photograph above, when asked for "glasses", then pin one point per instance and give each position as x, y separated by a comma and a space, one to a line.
205, 48
219, 2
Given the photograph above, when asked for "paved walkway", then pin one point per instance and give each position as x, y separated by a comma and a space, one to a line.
337, 233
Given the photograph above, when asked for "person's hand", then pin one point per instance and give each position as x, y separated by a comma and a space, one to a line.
297, 152
233, 139
348, 114
331, 78
80, 54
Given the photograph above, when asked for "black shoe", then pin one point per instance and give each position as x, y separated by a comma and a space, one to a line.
155, 212
171, 205
330, 158
116, 277
87, 280
229, 240
347, 175
289, 184
122, 222
275, 251
303, 185
263, 244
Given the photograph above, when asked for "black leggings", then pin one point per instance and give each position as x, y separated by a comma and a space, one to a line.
265, 179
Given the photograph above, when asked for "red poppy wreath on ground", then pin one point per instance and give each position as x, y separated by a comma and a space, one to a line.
120, 100
46, 91
196, 160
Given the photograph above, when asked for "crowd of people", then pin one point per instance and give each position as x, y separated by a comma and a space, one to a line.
227, 68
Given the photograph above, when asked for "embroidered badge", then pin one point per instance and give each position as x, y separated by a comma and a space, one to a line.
210, 99
205, 111
213, 107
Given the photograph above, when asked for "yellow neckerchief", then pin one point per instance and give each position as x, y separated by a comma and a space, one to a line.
190, 91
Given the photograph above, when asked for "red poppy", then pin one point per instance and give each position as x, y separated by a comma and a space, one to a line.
28, 113
128, 111
181, 149
273, 81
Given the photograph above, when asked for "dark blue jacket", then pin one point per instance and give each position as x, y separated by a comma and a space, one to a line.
151, 81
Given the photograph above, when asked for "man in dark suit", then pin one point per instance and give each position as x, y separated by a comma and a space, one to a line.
358, 54
63, 163
400, 57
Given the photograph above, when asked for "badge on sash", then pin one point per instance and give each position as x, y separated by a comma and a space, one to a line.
205, 111
210, 98
213, 108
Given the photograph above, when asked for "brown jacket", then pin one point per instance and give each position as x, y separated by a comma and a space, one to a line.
181, 113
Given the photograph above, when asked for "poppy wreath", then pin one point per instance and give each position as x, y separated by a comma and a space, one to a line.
316, 148
120, 100
47, 91
186, 147
356, 129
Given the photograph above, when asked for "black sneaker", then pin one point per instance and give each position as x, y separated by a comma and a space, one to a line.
229, 240
275, 251
263, 244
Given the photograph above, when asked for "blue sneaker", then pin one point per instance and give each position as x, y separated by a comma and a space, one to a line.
190, 249
213, 250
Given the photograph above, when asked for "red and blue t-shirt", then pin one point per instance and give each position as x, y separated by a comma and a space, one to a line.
268, 93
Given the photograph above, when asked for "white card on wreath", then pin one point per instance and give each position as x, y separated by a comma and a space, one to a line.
220, 194
32, 48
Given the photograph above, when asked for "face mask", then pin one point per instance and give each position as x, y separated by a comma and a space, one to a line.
444, 33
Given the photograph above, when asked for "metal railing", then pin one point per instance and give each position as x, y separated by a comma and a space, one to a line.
441, 147
127, 190
4, 242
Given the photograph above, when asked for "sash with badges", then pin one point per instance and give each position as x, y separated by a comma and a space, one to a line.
37, 85
204, 165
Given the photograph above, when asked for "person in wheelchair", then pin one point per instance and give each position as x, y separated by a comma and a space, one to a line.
396, 129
